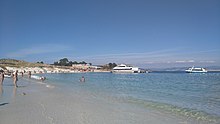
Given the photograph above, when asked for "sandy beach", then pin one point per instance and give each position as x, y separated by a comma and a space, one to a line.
110, 62
34, 102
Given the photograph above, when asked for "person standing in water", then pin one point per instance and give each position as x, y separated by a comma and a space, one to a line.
15, 78
22, 74
82, 79
2, 78
29, 74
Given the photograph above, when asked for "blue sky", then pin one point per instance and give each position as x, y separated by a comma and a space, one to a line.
147, 33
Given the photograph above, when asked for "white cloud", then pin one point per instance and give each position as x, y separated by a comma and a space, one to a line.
38, 49
181, 61
185, 61
190, 61
145, 56
168, 56
207, 61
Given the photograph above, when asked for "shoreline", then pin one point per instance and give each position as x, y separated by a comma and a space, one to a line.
43, 104
48, 70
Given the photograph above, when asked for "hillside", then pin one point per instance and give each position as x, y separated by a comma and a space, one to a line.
19, 63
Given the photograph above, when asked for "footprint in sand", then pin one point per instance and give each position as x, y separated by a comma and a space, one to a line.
84, 118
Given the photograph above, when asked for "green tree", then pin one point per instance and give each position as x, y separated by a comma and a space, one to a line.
114, 65
82, 62
70, 63
41, 62
63, 62
56, 63
66, 62
75, 62
110, 65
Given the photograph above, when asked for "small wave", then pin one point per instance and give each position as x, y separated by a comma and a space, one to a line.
189, 113
50, 86
40, 82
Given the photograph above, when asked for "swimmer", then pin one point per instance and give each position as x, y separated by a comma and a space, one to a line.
42, 78
82, 79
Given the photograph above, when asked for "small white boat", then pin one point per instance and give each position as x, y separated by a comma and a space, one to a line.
38, 77
196, 70
122, 68
7, 76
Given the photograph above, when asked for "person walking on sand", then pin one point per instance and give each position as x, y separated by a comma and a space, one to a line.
2, 78
15, 78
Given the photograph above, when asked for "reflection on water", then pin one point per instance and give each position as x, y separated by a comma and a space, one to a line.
14, 91
1, 91
8, 91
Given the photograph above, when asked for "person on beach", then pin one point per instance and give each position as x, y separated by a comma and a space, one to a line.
22, 74
15, 78
1, 91
29, 74
2, 78
42, 78
82, 79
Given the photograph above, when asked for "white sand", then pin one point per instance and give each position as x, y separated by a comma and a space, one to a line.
38, 103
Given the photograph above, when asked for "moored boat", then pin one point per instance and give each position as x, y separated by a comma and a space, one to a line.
123, 68
196, 70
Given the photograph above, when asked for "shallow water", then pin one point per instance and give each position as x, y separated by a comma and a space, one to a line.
194, 96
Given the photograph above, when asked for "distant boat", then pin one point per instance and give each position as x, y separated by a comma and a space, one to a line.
122, 68
196, 70
38, 77
7, 76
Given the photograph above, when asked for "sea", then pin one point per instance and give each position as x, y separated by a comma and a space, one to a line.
193, 95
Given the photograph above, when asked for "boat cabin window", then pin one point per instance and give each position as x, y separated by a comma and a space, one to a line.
197, 69
122, 66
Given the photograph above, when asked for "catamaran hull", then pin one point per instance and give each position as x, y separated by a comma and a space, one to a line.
196, 71
124, 71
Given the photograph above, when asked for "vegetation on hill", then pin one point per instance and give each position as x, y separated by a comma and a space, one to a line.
18, 63
109, 66
62, 63
66, 62
41, 62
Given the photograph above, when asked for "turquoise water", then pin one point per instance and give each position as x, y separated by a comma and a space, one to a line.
193, 95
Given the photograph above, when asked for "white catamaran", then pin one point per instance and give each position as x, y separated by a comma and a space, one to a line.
196, 70
122, 68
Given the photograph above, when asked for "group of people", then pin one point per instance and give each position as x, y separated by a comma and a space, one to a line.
14, 76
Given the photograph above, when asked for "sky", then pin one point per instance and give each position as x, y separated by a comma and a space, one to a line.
146, 33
